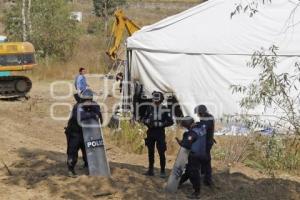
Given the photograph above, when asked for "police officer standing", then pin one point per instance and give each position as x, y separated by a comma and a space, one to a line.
193, 139
85, 109
157, 118
206, 120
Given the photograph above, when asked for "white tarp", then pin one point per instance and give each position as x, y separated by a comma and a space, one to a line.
199, 53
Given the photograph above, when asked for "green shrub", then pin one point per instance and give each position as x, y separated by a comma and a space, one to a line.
48, 27
95, 27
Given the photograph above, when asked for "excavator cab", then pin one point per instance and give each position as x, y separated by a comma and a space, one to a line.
15, 57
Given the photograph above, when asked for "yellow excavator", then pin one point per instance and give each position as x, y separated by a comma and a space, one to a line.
120, 24
15, 57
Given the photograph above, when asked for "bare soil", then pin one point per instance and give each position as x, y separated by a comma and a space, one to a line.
33, 149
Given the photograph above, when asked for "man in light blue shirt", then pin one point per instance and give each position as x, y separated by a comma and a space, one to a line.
80, 81
80, 84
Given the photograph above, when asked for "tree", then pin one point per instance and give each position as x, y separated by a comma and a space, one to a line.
24, 20
105, 8
48, 26
279, 91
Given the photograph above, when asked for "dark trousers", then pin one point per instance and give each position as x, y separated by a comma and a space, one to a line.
156, 136
75, 142
206, 168
192, 171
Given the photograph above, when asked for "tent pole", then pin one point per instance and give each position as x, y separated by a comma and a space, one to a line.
126, 89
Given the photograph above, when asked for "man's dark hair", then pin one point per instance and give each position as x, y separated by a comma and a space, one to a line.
81, 69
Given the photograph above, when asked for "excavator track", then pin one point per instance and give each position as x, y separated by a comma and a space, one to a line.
14, 86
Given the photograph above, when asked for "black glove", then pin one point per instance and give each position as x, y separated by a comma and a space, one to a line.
146, 141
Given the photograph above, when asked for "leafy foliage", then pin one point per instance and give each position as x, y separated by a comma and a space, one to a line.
264, 153
249, 7
103, 8
273, 90
275, 153
95, 26
52, 32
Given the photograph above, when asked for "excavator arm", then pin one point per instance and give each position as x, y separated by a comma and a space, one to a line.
121, 23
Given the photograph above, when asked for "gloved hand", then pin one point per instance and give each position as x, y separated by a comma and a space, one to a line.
146, 141
93, 115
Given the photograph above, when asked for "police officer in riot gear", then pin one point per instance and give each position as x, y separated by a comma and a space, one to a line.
84, 109
157, 117
207, 120
194, 139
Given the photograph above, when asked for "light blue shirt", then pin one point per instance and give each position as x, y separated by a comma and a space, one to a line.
80, 83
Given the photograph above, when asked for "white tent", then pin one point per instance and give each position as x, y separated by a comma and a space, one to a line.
199, 53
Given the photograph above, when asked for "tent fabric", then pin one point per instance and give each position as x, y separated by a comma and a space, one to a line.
199, 53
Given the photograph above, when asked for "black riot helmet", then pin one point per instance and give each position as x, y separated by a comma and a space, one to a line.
187, 121
200, 110
157, 97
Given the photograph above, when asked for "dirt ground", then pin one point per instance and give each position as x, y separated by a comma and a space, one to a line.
33, 147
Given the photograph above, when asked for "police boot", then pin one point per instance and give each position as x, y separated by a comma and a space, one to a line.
71, 173
208, 182
150, 172
163, 174
194, 195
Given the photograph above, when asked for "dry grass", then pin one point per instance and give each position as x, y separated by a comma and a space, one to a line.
88, 53
267, 154
1, 18
90, 50
153, 12
165, 1
131, 138
232, 149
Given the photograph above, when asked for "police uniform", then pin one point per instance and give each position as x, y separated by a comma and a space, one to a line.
157, 118
195, 140
208, 121
74, 132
